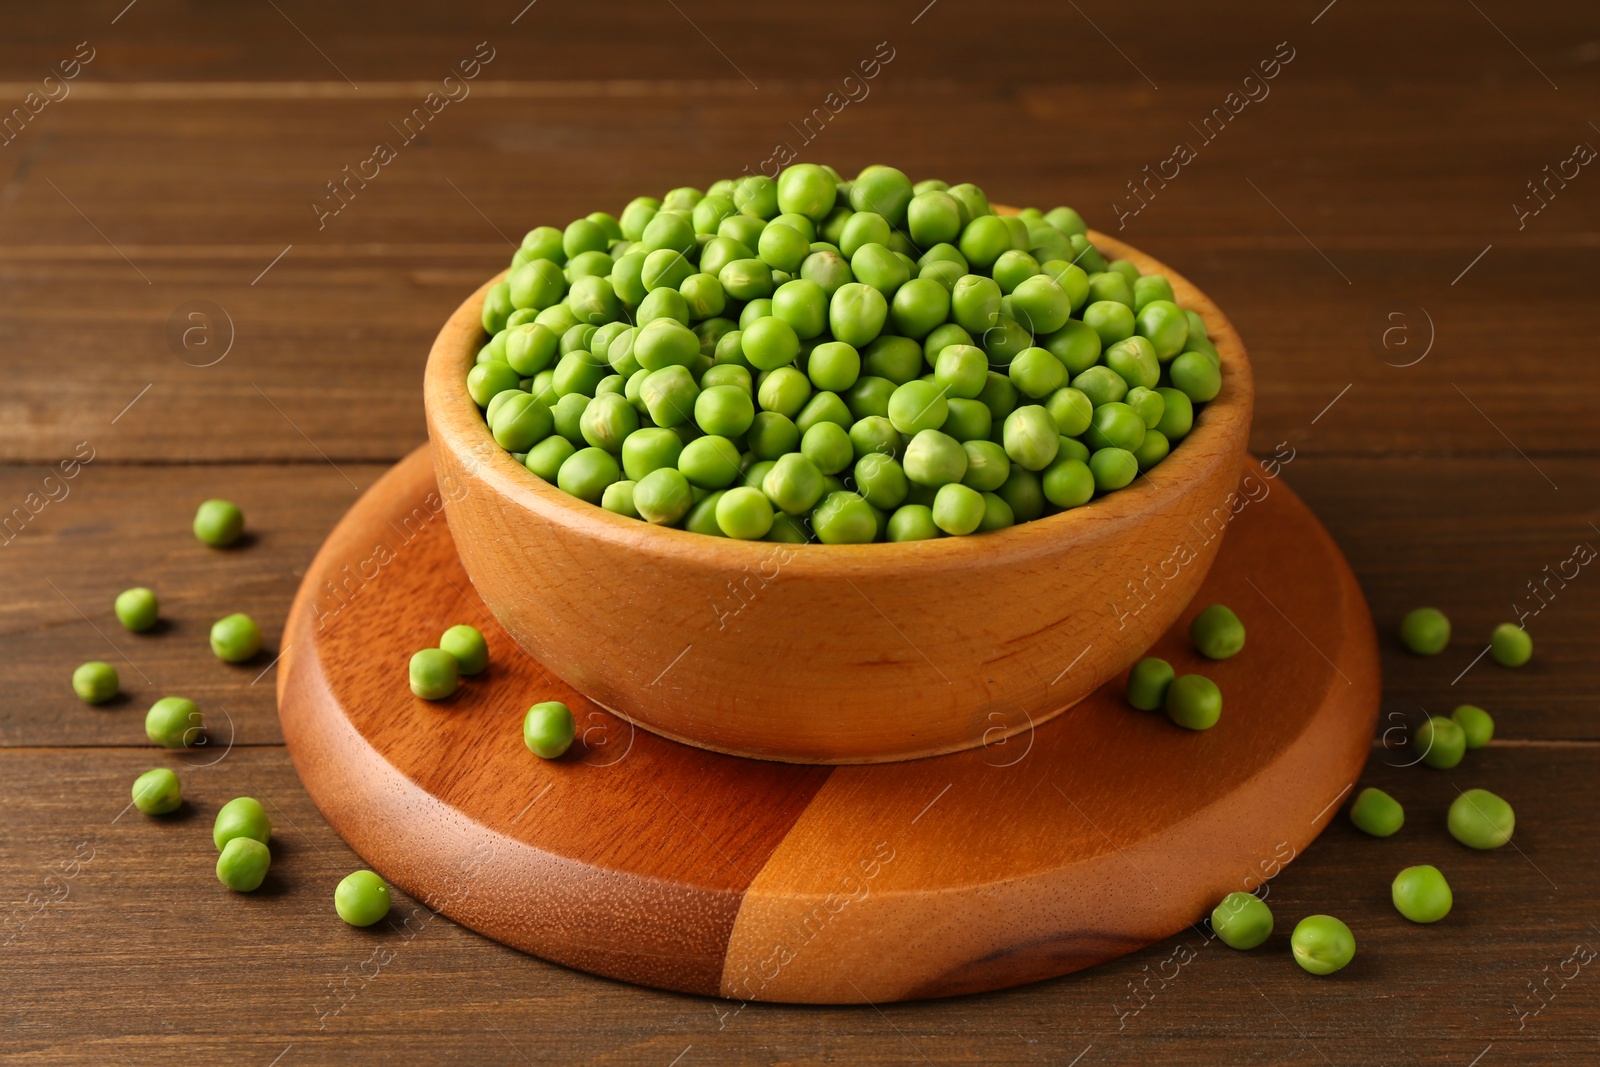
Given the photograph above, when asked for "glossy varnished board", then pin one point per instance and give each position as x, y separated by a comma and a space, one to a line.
643, 859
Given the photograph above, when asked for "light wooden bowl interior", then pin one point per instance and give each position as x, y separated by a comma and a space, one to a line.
837, 653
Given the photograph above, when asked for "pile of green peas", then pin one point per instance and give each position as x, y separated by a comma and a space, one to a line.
811, 358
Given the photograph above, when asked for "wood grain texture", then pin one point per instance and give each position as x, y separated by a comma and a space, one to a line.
835, 653
643, 859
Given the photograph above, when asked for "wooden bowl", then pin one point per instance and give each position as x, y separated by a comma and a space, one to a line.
836, 653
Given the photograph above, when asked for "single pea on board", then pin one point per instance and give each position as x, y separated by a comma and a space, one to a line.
1425, 631
1217, 632
1421, 894
362, 898
95, 682
1442, 742
137, 609
1510, 645
219, 523
1480, 819
467, 645
1322, 944
1242, 920
242, 867
548, 729
1377, 813
434, 674
157, 792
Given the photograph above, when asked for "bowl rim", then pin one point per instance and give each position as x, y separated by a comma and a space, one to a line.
455, 422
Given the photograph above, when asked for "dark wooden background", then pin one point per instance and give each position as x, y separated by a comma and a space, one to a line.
1374, 187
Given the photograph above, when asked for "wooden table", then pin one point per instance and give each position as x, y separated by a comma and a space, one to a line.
1420, 322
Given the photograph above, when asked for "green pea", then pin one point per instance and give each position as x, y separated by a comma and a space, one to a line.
594, 302
1511, 645
794, 484
957, 510
828, 270
1148, 288
1217, 632
744, 513
546, 457
484, 382
1101, 385
1071, 410
770, 343
242, 867
174, 722
1242, 920
1023, 490
984, 240
434, 673
823, 407
1037, 373
95, 682
962, 371
1195, 376
1165, 326
607, 421
725, 410
1149, 404
783, 247
884, 190
1111, 320
1442, 742
827, 444
1134, 360
875, 433
663, 496
913, 522
1030, 437
1177, 414
1477, 725
637, 215
881, 481
971, 199
1005, 340
757, 196
467, 645
1148, 683
1194, 701
361, 898
536, 284
548, 729
669, 395
975, 304
586, 473
988, 466
1068, 482
496, 307
1479, 819
806, 189
746, 279
844, 518
1115, 425
967, 420
1012, 269
1377, 813
875, 265
709, 462
702, 517
704, 296
856, 313
618, 499
784, 391
1421, 894
803, 305
861, 229
220, 523
241, 817
1075, 344
668, 230
580, 236
1072, 448
918, 406
156, 792
919, 306
933, 217
235, 638
1322, 944
735, 375
1113, 468
935, 459
558, 319
136, 609
530, 348
1041, 305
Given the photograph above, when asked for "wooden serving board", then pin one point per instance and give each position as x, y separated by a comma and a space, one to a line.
1065, 845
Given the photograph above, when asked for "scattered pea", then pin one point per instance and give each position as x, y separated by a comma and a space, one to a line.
1477, 725
242, 867
548, 729
434, 674
241, 817
467, 646
219, 523
174, 722
156, 792
1194, 701
1242, 920
362, 898
1377, 813
1217, 632
1442, 742
1425, 631
1322, 944
1510, 645
235, 638
95, 682
136, 609
1148, 683
1421, 894
1479, 819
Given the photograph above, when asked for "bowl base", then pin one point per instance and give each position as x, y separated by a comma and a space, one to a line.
1056, 848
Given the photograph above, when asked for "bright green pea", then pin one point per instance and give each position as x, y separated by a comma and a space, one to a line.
1076, 345
1149, 404
769, 343
962, 371
918, 406
935, 459
1152, 450
1425, 631
664, 343
784, 391
580, 236
220, 523
757, 196
1196, 377
823, 407
957, 510
1115, 425
242, 867
1068, 482
1477, 725
783, 247
519, 421
95, 682
746, 279
663, 496
1511, 645
587, 472
1194, 701
997, 514
772, 434
702, 517
844, 518
1134, 360
669, 395
875, 433
1112, 286
1442, 742
536, 284
913, 522
580, 371
546, 457
919, 306
1148, 288
794, 484
803, 304
235, 638
1072, 448
1242, 920
467, 645
136, 609
1217, 632
594, 302
724, 410
975, 304
703, 295
1165, 326
1377, 813
834, 366
548, 729
1421, 894
241, 817
984, 240
1071, 410
1037, 373
806, 189
1012, 269
933, 217
1113, 468
709, 462
361, 898
744, 513
1479, 819
668, 230
988, 466
828, 270
174, 722
607, 421
558, 319
1041, 305
710, 211
967, 420
1030, 437
530, 348
827, 444
1024, 492
156, 792
1177, 414
856, 313
875, 265
1101, 385
734, 375
434, 674
860, 229
881, 481
1322, 944
1148, 683
637, 215
1005, 340
496, 307
1111, 320
649, 449
618, 499
884, 190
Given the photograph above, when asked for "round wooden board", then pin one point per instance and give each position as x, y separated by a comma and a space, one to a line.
1053, 849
